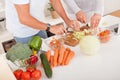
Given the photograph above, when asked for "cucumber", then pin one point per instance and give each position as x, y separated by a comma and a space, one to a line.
46, 65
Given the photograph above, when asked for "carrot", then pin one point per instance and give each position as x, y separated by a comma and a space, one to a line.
51, 61
69, 57
48, 53
61, 54
56, 50
66, 52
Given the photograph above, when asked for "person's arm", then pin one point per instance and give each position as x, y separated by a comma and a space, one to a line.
95, 19
99, 8
60, 10
72, 5
23, 11
80, 15
26, 19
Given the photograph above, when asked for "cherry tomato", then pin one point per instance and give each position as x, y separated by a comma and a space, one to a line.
25, 76
18, 73
36, 75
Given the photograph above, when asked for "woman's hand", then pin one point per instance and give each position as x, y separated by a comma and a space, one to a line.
73, 24
81, 17
95, 19
57, 29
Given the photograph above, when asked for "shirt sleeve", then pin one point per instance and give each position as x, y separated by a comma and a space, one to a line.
99, 7
72, 5
21, 1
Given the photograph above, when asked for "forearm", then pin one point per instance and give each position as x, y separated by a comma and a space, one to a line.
33, 23
60, 10
25, 17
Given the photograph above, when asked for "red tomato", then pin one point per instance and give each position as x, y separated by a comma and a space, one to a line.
25, 76
33, 59
30, 68
36, 75
18, 73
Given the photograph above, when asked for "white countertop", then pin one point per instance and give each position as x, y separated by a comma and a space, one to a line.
105, 65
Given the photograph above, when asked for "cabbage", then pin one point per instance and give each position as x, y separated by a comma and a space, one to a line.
89, 45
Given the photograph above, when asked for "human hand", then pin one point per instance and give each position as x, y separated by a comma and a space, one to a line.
57, 29
95, 19
81, 17
74, 25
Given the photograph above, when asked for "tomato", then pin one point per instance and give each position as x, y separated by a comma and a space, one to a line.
25, 76
18, 73
33, 59
36, 75
30, 68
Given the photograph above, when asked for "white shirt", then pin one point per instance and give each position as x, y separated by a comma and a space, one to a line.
87, 6
12, 22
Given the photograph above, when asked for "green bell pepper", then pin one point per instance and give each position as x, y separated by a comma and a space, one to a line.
35, 43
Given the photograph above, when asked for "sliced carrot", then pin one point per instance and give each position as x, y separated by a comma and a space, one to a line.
66, 52
48, 53
69, 57
61, 54
56, 51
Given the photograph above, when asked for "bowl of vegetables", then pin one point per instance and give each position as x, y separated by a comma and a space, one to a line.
104, 36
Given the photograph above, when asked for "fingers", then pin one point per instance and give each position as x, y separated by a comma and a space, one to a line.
59, 30
94, 23
82, 19
81, 16
74, 25
95, 20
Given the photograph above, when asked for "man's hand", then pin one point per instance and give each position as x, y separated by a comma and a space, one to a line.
57, 29
73, 24
81, 17
95, 19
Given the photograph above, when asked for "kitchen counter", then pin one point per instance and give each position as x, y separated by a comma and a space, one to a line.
104, 65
